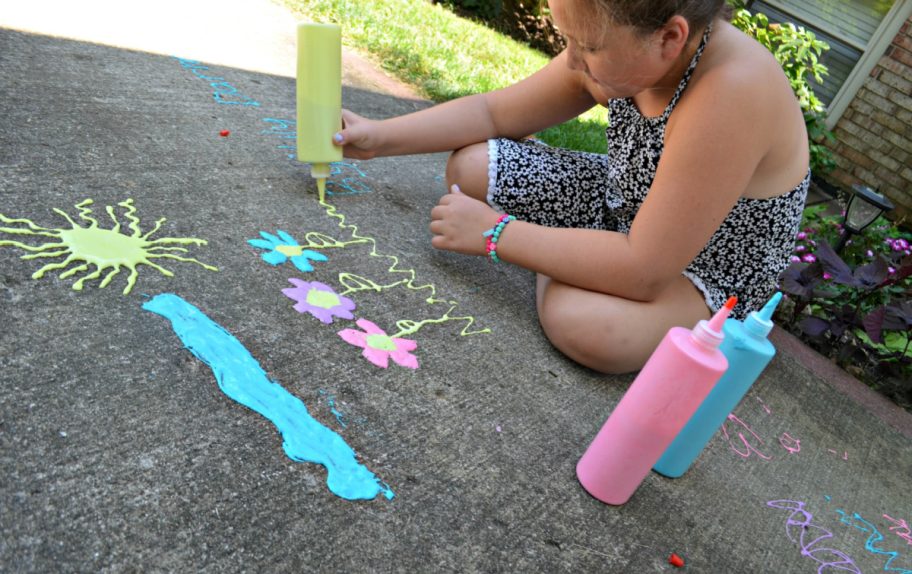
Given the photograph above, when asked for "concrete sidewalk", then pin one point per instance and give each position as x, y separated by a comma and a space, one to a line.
120, 453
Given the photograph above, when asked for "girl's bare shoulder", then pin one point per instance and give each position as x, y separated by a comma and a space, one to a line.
734, 58
736, 71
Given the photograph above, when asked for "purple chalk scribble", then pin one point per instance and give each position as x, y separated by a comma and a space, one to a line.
800, 529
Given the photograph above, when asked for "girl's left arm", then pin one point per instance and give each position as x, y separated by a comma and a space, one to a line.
718, 138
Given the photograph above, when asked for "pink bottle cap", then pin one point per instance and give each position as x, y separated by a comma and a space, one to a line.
710, 332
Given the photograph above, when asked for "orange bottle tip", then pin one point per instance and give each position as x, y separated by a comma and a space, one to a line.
730, 304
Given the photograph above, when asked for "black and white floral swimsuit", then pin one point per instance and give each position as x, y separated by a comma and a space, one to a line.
562, 188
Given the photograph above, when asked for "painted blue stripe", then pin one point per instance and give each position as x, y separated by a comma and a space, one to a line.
240, 377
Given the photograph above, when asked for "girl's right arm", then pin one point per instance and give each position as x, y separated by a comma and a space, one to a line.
549, 97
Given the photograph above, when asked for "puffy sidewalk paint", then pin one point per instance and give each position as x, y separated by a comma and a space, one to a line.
242, 378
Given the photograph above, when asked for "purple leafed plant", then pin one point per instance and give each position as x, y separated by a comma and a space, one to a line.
861, 317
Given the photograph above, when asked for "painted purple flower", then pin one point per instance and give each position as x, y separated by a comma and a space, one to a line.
380, 347
809, 258
801, 236
319, 300
795, 259
800, 248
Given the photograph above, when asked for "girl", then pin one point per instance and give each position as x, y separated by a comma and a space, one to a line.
698, 198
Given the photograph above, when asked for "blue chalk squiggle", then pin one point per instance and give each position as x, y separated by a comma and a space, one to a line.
240, 377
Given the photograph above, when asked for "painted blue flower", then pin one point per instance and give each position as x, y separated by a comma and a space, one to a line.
284, 247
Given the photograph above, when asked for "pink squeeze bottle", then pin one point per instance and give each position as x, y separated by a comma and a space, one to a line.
669, 389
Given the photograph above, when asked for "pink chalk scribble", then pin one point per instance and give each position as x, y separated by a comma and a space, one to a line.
744, 440
900, 526
845, 453
790, 443
751, 442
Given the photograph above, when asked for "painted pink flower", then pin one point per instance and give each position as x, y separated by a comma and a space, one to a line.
319, 300
380, 347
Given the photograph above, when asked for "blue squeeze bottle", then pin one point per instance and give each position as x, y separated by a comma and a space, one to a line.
748, 352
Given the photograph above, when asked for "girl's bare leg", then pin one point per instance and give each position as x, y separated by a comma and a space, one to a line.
611, 334
469, 168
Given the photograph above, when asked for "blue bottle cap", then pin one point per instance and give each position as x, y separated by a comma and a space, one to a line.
759, 323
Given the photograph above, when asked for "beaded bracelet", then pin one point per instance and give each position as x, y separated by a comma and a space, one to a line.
493, 234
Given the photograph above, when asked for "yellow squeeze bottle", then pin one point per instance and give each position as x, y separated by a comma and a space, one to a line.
319, 98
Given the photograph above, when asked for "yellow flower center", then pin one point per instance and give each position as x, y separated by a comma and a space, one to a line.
322, 299
381, 342
289, 250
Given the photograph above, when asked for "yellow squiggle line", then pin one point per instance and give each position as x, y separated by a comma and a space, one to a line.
405, 326
66, 216
366, 286
85, 212
36, 248
110, 210
134, 221
155, 229
31, 225
353, 229
316, 240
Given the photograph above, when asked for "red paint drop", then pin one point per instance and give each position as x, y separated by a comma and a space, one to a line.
676, 561
224, 133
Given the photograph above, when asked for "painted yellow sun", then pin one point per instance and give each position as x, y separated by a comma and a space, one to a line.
105, 249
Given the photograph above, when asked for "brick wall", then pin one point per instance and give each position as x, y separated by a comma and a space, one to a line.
874, 136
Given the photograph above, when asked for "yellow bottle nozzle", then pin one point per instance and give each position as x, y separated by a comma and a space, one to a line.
320, 171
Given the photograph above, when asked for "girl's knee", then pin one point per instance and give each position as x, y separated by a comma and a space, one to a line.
597, 340
468, 167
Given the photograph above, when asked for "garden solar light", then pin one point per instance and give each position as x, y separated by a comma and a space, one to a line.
865, 206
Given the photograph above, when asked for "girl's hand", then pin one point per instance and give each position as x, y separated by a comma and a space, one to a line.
458, 222
359, 138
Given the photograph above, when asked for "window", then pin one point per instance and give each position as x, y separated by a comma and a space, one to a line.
858, 31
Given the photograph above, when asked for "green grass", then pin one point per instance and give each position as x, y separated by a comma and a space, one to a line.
445, 56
